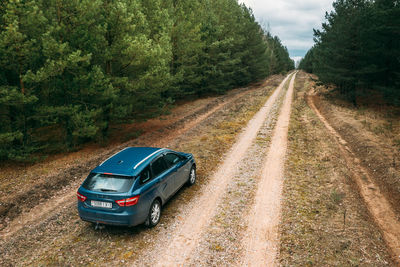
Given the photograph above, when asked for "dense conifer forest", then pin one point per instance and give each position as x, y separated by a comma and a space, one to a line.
68, 68
358, 49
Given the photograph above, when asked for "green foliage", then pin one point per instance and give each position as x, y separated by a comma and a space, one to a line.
70, 67
307, 62
358, 49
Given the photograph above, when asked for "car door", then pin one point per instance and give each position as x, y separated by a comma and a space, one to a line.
176, 162
164, 176
149, 190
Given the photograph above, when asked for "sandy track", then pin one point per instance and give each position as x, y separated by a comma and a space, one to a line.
67, 195
261, 241
202, 210
376, 202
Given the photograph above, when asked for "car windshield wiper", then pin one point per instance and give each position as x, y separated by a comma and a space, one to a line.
107, 190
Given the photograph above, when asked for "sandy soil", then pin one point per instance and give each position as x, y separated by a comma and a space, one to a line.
189, 234
377, 204
262, 241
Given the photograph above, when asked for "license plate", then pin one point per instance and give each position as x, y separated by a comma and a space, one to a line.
101, 204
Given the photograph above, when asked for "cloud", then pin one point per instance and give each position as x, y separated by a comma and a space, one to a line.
292, 21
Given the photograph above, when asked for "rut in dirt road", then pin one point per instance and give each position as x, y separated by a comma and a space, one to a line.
376, 202
187, 237
262, 239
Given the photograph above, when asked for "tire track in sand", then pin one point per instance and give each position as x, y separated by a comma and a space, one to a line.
202, 210
262, 240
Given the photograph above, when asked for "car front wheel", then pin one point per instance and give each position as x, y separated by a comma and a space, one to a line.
192, 176
154, 214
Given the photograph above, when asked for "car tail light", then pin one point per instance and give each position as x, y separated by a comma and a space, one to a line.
81, 197
128, 201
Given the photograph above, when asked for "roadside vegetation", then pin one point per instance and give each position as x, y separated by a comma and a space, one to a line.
324, 221
358, 50
61, 238
372, 131
356, 64
70, 69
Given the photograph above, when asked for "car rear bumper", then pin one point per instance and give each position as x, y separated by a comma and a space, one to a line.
126, 218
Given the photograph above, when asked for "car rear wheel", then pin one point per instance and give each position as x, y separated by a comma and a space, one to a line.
154, 214
192, 176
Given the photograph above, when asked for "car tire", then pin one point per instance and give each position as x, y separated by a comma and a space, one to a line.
154, 214
192, 176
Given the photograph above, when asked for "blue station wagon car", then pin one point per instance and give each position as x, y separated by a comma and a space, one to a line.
130, 187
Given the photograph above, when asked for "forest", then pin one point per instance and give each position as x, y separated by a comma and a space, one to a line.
70, 68
358, 50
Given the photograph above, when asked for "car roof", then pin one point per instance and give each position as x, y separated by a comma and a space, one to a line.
129, 161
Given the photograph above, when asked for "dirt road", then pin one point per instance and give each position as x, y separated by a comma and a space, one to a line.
203, 208
262, 239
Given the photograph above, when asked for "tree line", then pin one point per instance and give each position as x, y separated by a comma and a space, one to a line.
68, 68
358, 49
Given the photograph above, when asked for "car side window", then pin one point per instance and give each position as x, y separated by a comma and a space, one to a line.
145, 175
171, 159
158, 166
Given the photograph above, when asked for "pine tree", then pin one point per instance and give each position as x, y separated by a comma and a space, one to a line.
18, 52
187, 47
69, 68
255, 59
358, 49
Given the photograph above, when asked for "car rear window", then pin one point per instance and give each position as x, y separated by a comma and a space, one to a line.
108, 183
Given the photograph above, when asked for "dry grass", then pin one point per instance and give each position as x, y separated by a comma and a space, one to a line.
372, 131
324, 222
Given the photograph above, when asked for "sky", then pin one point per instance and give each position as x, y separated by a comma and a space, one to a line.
292, 21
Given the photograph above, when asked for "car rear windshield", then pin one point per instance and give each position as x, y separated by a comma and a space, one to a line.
108, 183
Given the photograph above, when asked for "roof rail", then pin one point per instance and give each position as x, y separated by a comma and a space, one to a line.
143, 160
113, 155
